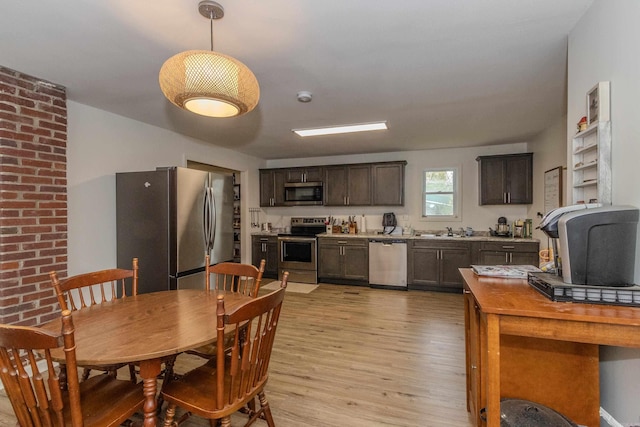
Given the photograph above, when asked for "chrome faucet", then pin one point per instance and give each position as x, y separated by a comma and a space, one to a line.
449, 231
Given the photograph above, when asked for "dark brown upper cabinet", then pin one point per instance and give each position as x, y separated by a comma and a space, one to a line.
272, 187
506, 179
388, 183
306, 174
347, 185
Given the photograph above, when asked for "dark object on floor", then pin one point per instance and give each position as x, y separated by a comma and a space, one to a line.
524, 413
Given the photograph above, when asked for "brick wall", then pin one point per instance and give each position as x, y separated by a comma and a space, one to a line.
33, 196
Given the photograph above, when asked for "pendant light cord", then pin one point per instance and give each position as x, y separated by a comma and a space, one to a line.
211, 28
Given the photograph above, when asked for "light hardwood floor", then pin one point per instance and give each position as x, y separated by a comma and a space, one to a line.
360, 357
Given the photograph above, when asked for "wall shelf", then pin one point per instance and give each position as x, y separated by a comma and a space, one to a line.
591, 148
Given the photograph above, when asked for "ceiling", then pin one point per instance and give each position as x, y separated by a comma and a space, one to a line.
443, 73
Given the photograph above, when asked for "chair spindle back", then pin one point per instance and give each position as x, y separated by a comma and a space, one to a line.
234, 277
84, 290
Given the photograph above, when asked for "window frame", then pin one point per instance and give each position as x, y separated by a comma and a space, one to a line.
457, 197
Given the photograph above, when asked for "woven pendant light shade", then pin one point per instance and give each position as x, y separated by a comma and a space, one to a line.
209, 83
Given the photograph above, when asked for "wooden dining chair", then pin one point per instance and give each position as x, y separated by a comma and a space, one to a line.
232, 379
231, 277
32, 383
84, 290
234, 277
228, 276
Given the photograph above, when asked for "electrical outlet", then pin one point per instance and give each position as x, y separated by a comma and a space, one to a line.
405, 217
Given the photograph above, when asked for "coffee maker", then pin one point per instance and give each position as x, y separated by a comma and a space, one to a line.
592, 244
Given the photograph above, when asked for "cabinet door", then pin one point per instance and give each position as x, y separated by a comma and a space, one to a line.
388, 184
257, 253
314, 174
271, 266
518, 175
307, 174
493, 258
359, 178
267, 187
506, 179
525, 258
265, 248
335, 186
492, 179
295, 175
355, 262
424, 266
278, 187
272, 187
329, 260
451, 260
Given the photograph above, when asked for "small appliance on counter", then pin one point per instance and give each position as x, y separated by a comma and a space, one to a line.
390, 224
502, 228
596, 262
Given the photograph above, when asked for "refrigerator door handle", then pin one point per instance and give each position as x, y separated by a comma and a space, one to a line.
214, 218
206, 219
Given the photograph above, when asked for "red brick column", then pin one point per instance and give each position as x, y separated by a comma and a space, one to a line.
33, 196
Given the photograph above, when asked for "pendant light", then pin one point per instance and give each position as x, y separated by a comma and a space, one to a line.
207, 82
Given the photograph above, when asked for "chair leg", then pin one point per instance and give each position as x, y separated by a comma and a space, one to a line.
63, 377
251, 405
85, 374
171, 412
266, 410
169, 376
132, 373
225, 422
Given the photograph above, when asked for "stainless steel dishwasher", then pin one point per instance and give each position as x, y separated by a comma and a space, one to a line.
388, 263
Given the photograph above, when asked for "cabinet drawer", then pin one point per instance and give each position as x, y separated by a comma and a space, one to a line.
510, 246
347, 241
438, 244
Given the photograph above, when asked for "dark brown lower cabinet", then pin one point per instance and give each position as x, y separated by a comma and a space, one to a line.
265, 247
506, 253
434, 264
343, 260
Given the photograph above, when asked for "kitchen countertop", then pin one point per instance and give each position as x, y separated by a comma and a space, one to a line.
425, 236
265, 233
478, 238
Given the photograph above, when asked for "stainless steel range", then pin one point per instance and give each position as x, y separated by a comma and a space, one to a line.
298, 250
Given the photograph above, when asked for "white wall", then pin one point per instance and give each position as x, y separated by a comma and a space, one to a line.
101, 144
549, 152
604, 47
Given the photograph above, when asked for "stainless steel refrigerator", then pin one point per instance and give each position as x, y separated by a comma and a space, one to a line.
170, 218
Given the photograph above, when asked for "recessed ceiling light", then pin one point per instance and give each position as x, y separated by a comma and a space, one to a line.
331, 130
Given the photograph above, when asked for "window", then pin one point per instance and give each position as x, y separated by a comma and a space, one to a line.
441, 198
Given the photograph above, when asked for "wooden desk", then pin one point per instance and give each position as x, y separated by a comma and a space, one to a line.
511, 315
145, 328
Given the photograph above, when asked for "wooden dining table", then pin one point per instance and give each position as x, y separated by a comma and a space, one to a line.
146, 328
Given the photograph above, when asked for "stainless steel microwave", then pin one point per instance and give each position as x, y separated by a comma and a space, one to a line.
302, 193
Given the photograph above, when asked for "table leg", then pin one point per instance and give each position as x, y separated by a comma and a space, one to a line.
493, 370
149, 371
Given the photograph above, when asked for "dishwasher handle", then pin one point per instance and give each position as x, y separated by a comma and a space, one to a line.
388, 241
